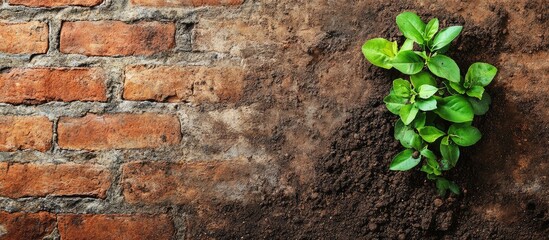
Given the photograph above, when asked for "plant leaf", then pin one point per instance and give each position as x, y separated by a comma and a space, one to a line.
476, 91
428, 154
444, 67
464, 135
379, 52
450, 152
401, 88
429, 104
480, 74
420, 120
445, 36
407, 136
404, 161
480, 107
411, 26
408, 62
394, 103
408, 45
454, 188
457, 87
422, 78
430, 30
426, 91
430, 133
455, 109
408, 113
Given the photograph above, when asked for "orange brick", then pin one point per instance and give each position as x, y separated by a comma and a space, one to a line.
114, 38
55, 3
118, 131
184, 183
40, 180
26, 225
25, 132
184, 84
177, 3
115, 226
39, 85
23, 38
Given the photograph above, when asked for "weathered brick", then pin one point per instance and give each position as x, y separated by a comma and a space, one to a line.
55, 3
118, 131
39, 85
185, 183
25, 132
184, 84
115, 38
115, 226
26, 225
23, 38
178, 3
40, 180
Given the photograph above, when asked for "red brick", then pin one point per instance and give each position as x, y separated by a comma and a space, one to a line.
26, 225
39, 85
25, 132
115, 226
55, 3
185, 183
118, 131
114, 38
184, 84
178, 3
40, 180
23, 38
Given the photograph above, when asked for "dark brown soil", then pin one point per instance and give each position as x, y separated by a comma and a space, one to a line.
336, 170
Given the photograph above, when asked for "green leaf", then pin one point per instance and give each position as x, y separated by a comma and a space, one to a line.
480, 107
431, 29
408, 62
408, 113
422, 78
457, 87
408, 45
419, 121
411, 26
445, 36
445, 140
379, 52
422, 54
454, 188
404, 161
464, 135
394, 103
444, 67
450, 152
426, 91
480, 74
407, 136
455, 109
445, 165
428, 154
401, 88
429, 104
476, 91
430, 134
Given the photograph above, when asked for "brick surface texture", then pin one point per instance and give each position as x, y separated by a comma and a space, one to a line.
115, 226
114, 38
175, 3
25, 132
23, 37
39, 85
118, 131
21, 225
40, 180
55, 3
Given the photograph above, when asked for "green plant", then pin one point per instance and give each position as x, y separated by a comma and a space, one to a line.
436, 104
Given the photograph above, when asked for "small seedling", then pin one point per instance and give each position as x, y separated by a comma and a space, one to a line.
436, 104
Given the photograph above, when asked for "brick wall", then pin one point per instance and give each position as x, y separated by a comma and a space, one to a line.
115, 119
